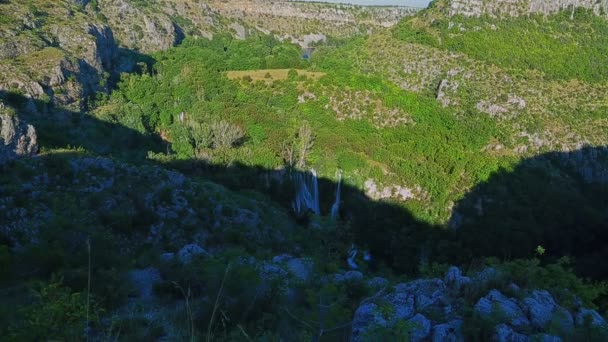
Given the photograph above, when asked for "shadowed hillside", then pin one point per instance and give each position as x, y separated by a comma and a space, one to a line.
556, 201
57, 203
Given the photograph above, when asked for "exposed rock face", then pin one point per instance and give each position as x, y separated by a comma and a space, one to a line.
448, 332
64, 62
455, 280
591, 315
408, 302
188, 252
514, 8
140, 28
168, 201
497, 303
540, 307
433, 309
381, 16
394, 191
17, 138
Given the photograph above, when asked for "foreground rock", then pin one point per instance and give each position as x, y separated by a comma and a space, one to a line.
434, 310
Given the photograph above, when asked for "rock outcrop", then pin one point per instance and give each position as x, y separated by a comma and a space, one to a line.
17, 138
515, 8
139, 27
433, 309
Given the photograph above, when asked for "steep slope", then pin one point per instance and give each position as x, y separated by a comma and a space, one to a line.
68, 52
542, 81
54, 52
510, 8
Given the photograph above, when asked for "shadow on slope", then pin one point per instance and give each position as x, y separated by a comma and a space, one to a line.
60, 128
555, 200
553, 204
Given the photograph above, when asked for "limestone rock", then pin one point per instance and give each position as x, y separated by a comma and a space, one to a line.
504, 333
427, 292
420, 328
17, 138
506, 306
299, 268
239, 31
589, 315
370, 315
540, 307
448, 332
455, 280
138, 28
515, 8
188, 252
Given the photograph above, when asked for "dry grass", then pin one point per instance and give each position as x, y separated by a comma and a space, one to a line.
271, 75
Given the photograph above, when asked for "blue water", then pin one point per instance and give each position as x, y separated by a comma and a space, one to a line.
413, 3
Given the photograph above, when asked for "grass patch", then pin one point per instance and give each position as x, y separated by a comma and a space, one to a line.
271, 75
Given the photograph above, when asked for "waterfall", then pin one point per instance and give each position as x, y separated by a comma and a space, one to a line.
352, 255
335, 208
307, 193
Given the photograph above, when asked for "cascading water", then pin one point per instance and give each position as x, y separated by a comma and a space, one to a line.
352, 255
307, 193
335, 208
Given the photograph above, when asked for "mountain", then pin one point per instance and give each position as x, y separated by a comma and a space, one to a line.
270, 170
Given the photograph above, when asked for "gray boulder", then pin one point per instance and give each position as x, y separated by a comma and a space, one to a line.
591, 315
507, 308
17, 138
455, 280
564, 319
427, 292
382, 312
367, 317
504, 333
539, 306
420, 328
188, 252
299, 268
448, 332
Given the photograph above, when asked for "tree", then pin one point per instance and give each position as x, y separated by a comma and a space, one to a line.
226, 135
296, 150
202, 135
305, 143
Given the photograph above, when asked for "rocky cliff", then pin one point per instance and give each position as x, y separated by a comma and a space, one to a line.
514, 8
55, 54
17, 138
66, 53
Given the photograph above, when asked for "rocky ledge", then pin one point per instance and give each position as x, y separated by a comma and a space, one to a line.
436, 310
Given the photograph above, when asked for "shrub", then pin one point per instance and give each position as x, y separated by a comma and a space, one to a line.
57, 313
